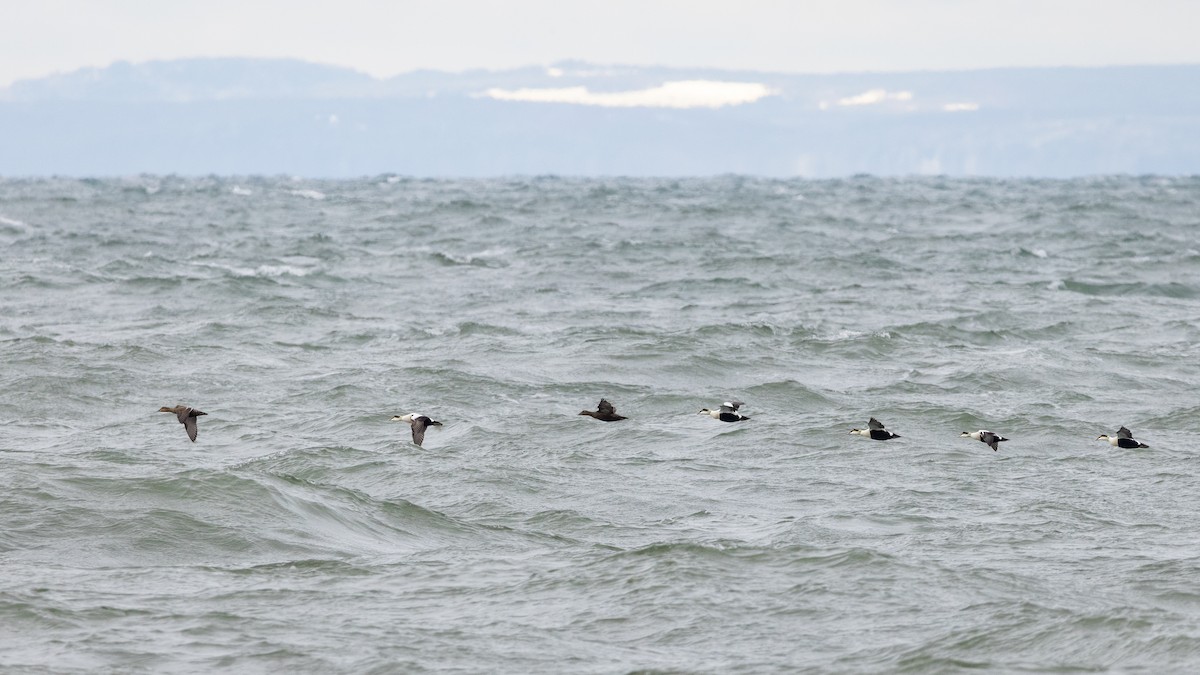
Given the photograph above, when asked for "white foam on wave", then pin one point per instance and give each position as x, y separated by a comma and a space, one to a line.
274, 271
848, 334
262, 271
787, 192
241, 191
479, 257
12, 222
309, 194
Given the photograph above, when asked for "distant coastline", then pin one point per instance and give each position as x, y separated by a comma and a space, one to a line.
269, 116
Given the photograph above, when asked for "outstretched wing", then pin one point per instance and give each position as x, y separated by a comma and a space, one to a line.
418, 429
606, 408
1124, 433
875, 424
731, 405
189, 423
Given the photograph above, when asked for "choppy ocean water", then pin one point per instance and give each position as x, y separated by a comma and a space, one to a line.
304, 531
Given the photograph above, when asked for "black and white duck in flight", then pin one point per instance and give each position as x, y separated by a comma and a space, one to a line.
875, 431
419, 424
726, 413
985, 436
1123, 439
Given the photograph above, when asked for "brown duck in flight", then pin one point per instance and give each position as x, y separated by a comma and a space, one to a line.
605, 412
186, 416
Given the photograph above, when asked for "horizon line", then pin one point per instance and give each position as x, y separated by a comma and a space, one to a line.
580, 62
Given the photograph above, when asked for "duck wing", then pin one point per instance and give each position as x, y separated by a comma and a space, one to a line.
874, 424
1124, 433
189, 423
606, 408
418, 429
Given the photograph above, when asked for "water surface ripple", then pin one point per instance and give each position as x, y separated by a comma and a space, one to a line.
303, 531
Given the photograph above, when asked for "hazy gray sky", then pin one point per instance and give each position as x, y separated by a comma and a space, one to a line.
388, 37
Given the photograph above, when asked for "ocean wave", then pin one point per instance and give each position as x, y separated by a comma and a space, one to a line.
488, 259
265, 271
315, 195
12, 226
1167, 290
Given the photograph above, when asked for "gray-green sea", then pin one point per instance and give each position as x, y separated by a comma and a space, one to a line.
304, 532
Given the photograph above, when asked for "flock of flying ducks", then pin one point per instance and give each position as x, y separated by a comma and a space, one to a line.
727, 412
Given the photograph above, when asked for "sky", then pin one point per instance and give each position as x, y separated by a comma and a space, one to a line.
385, 38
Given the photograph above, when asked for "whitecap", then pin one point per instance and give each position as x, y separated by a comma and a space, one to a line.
12, 222
848, 334
241, 191
280, 270
309, 194
262, 271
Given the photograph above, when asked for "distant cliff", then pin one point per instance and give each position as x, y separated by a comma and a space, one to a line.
257, 116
